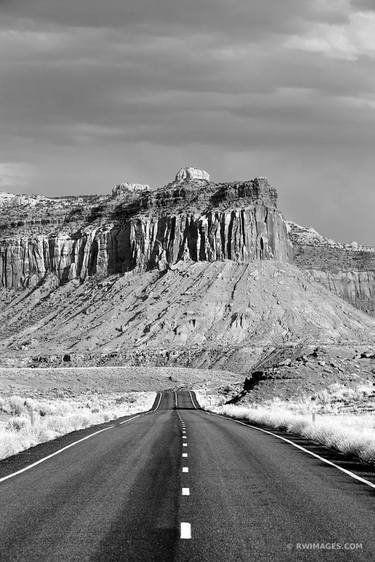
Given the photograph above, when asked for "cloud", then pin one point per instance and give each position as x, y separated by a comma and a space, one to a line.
95, 92
14, 175
167, 16
348, 41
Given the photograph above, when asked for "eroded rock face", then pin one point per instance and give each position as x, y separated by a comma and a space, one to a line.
21, 201
197, 314
356, 287
235, 221
125, 188
73, 238
192, 174
144, 243
348, 270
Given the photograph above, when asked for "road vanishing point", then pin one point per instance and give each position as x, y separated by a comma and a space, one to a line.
180, 484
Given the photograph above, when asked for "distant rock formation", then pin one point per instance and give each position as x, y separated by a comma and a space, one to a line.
192, 218
235, 221
126, 188
21, 200
189, 174
310, 237
348, 270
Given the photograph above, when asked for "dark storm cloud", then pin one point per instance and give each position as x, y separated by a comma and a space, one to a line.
100, 90
363, 4
237, 15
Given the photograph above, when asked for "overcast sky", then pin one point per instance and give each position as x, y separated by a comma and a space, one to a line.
94, 92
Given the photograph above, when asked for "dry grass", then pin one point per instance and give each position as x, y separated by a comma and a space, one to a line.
340, 422
25, 422
37, 405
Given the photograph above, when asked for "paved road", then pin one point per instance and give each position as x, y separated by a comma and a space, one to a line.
247, 496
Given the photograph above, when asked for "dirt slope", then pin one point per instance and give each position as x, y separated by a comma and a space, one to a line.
220, 314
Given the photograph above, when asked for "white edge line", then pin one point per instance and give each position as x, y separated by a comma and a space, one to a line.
64, 449
158, 402
347, 472
130, 419
53, 454
192, 399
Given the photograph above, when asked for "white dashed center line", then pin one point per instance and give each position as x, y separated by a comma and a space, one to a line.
185, 528
185, 531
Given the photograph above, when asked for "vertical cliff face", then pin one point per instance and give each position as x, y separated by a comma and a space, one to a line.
356, 287
26, 261
189, 219
185, 221
348, 270
241, 235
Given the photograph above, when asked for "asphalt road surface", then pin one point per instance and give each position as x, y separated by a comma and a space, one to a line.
181, 484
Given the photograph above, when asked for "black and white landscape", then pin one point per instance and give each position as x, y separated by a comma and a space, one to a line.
187, 366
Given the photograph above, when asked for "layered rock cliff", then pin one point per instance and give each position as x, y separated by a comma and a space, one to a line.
195, 273
348, 270
190, 219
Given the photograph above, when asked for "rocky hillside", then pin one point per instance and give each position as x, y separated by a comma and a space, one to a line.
140, 228
191, 218
196, 273
348, 270
198, 314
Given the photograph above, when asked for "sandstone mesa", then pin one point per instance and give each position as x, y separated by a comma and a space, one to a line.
191, 218
196, 273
